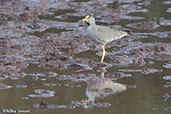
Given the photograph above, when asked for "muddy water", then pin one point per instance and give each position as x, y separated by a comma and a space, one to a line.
62, 87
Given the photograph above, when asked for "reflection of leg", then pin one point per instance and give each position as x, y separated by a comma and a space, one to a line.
103, 70
104, 52
84, 103
84, 100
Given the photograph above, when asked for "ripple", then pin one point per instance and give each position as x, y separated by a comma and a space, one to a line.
167, 66
165, 22
22, 86
4, 86
42, 93
168, 77
50, 84
169, 10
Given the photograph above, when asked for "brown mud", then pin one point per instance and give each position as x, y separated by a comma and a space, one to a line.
26, 38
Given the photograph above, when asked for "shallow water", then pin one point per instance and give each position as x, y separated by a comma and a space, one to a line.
148, 86
145, 94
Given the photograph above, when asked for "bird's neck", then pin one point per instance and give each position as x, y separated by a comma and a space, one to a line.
92, 25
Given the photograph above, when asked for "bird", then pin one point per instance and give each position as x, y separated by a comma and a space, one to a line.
103, 87
102, 34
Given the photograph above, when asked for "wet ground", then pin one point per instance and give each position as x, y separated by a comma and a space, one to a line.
49, 65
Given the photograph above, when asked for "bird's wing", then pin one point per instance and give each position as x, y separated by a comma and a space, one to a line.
108, 34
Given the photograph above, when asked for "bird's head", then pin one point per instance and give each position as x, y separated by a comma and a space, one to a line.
89, 20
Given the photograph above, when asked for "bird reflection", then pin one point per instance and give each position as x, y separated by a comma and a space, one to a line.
101, 88
103, 70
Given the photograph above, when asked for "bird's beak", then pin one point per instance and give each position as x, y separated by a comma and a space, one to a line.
85, 19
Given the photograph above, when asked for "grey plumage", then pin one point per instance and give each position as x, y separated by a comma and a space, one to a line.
103, 34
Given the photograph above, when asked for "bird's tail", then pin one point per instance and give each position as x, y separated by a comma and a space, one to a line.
128, 31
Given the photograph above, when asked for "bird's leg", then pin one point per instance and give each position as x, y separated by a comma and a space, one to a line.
102, 74
104, 52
